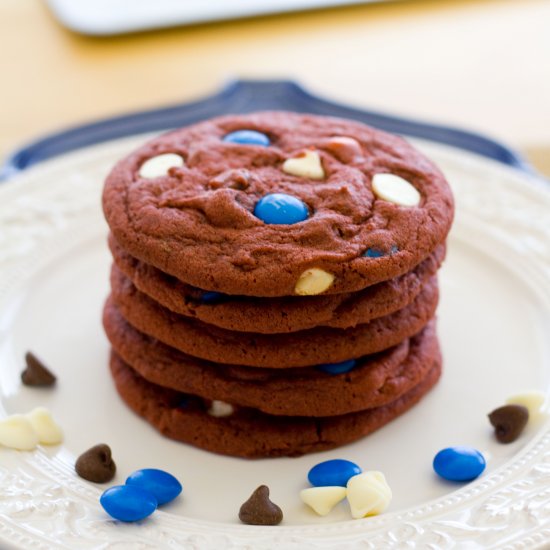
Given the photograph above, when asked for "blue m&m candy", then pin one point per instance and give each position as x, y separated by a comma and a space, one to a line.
332, 473
212, 297
127, 503
280, 208
378, 253
164, 486
247, 137
338, 368
373, 253
459, 463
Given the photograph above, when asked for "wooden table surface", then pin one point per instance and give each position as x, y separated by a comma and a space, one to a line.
483, 66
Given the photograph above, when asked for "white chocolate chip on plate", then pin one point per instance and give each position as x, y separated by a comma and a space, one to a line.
307, 165
532, 400
395, 189
158, 166
368, 494
313, 281
17, 432
47, 430
323, 499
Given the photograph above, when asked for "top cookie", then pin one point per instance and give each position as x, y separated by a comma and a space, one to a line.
278, 204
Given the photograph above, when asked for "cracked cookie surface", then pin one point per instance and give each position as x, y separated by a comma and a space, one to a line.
197, 222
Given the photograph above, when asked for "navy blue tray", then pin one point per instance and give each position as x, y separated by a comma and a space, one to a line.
244, 96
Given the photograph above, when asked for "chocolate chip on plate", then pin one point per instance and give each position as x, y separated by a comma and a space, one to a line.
96, 464
509, 422
259, 510
36, 373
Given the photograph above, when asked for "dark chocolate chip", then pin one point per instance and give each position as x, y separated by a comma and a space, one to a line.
96, 464
36, 373
509, 422
259, 510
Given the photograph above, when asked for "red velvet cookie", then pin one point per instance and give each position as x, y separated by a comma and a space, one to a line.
354, 204
248, 432
277, 315
296, 349
373, 381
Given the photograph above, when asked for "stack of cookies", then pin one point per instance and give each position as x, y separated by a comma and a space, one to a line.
274, 281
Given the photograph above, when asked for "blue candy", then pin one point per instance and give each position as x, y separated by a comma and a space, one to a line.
280, 208
183, 403
247, 137
377, 253
127, 503
459, 463
333, 473
373, 253
164, 486
338, 368
211, 297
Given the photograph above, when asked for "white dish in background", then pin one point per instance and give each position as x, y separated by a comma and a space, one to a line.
106, 17
494, 321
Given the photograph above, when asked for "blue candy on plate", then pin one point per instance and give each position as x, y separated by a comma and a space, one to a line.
247, 137
338, 368
459, 463
333, 473
164, 486
280, 208
128, 503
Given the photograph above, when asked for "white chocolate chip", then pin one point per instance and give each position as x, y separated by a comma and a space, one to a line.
47, 430
158, 166
313, 281
345, 148
220, 409
307, 165
392, 188
368, 494
345, 141
16, 432
323, 499
533, 400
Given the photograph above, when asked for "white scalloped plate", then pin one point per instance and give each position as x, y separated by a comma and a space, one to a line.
494, 321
